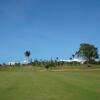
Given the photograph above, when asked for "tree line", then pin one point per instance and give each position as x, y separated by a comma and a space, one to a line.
87, 52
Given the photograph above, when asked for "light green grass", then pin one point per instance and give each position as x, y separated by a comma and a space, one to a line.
31, 85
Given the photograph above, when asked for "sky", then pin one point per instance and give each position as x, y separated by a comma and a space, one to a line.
48, 28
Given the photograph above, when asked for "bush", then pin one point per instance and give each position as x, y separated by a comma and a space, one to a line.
89, 66
50, 65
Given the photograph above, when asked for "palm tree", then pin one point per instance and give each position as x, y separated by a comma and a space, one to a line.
73, 56
27, 54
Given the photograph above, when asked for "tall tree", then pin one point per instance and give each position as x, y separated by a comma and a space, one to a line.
88, 52
73, 56
27, 54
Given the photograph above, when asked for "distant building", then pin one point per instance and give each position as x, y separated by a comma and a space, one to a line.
25, 62
14, 63
11, 63
77, 60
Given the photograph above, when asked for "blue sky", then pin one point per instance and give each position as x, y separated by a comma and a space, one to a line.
48, 28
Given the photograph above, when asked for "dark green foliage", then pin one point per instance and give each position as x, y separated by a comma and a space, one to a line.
88, 52
51, 64
27, 53
89, 66
73, 56
38, 63
17, 64
45, 63
74, 63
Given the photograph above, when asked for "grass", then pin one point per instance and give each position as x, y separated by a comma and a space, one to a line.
47, 85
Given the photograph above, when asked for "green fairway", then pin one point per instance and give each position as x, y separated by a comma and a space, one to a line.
45, 85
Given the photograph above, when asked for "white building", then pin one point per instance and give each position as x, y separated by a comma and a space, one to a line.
77, 60
11, 63
25, 62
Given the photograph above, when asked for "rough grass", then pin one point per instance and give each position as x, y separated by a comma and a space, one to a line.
47, 85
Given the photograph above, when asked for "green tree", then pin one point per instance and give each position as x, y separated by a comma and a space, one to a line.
73, 56
88, 52
27, 54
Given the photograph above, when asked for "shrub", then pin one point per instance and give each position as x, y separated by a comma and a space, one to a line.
50, 65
